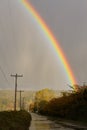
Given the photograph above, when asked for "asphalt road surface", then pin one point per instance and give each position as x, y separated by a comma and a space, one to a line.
43, 123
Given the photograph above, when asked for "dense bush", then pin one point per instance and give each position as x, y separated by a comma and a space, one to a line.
14, 120
72, 106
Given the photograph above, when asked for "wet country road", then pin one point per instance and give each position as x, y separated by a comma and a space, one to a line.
42, 123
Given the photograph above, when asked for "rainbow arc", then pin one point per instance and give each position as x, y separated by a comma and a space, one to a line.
52, 40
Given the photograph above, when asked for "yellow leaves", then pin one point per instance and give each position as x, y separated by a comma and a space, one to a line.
45, 94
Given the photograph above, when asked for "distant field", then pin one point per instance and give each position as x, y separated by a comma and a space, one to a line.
7, 99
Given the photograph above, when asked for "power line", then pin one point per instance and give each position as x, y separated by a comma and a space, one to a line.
4, 75
2, 28
5, 63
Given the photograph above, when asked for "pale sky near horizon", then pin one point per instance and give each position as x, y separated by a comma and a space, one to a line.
24, 48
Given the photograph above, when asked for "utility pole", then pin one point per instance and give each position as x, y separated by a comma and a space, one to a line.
16, 76
23, 105
20, 97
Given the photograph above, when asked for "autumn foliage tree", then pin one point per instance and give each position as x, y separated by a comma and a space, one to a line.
41, 99
73, 106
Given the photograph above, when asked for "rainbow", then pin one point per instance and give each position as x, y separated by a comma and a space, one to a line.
52, 40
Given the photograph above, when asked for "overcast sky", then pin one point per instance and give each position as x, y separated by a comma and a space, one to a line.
24, 48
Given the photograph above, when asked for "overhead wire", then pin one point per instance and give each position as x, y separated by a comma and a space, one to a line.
12, 24
5, 63
4, 75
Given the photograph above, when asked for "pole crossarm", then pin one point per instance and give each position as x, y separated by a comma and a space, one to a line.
16, 75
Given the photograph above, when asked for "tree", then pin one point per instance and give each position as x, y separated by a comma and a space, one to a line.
43, 95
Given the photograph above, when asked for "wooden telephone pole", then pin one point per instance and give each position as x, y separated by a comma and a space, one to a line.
16, 76
20, 97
